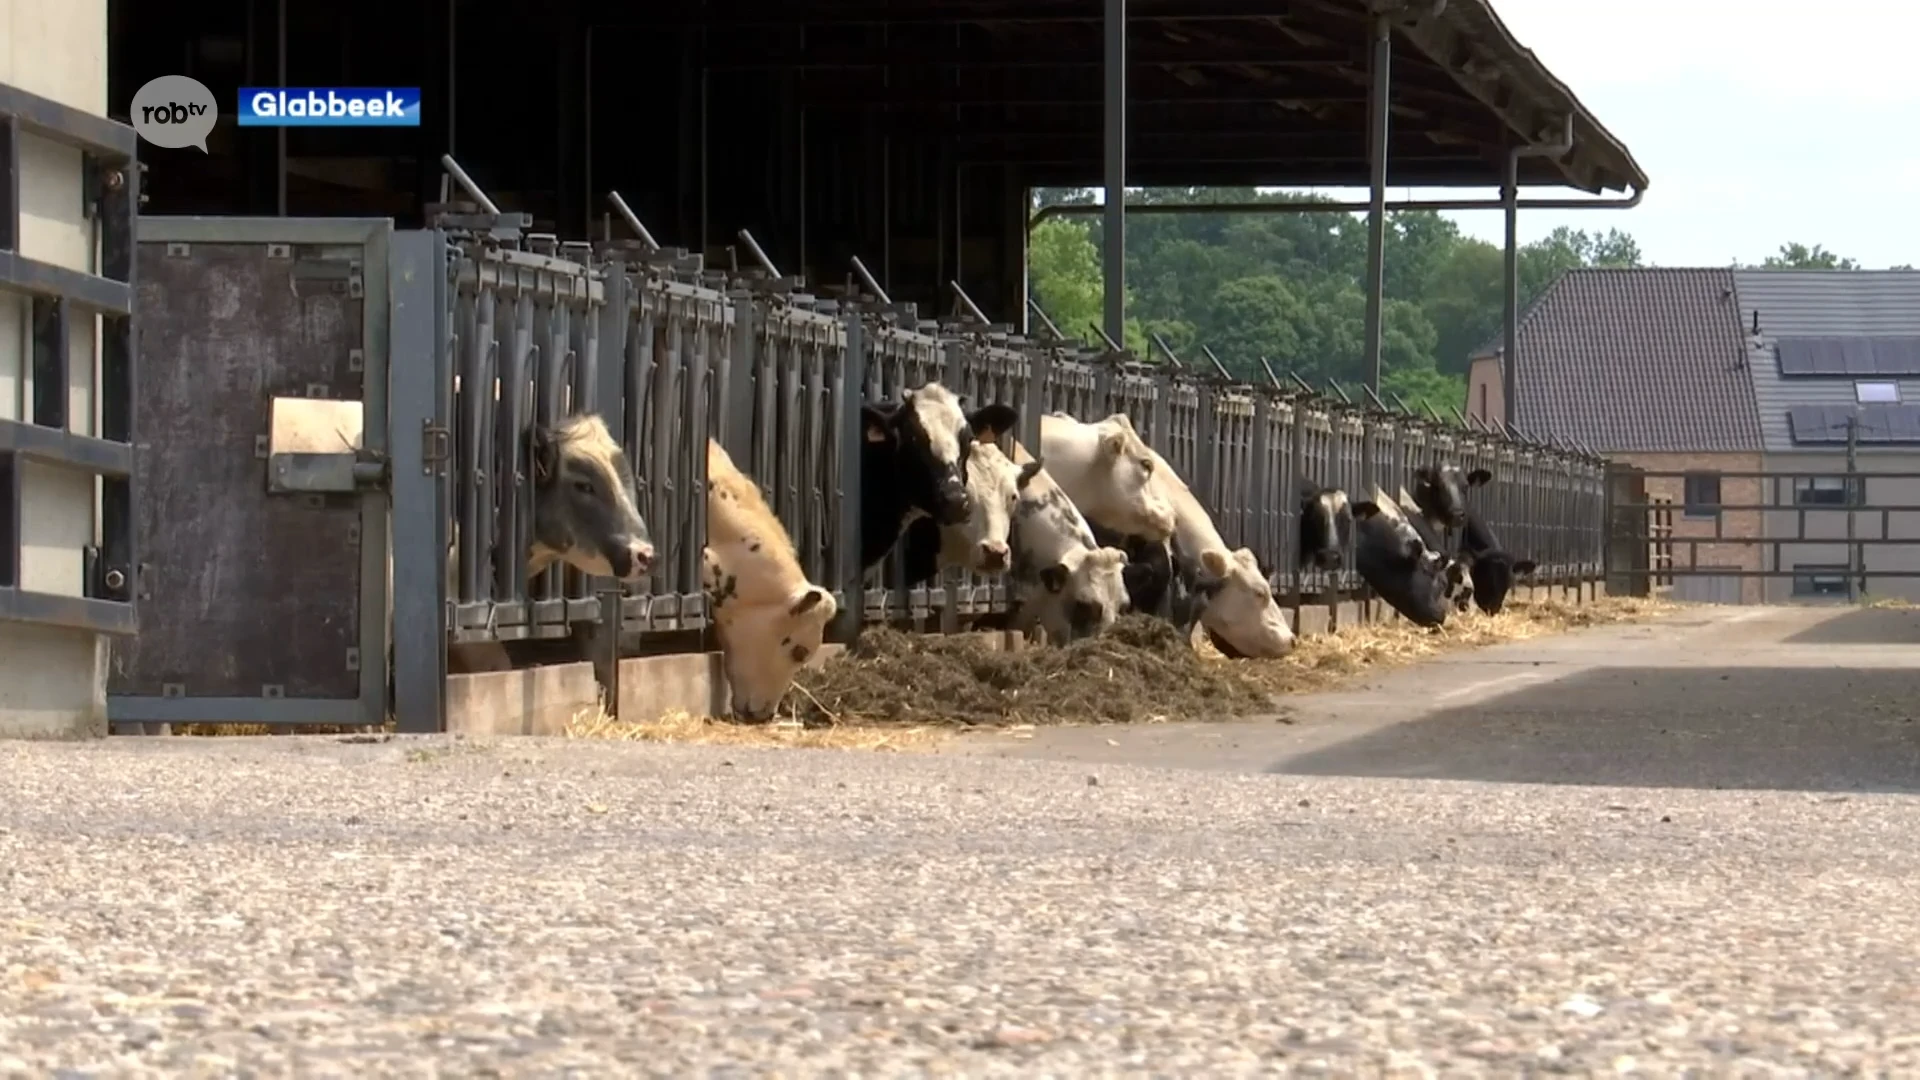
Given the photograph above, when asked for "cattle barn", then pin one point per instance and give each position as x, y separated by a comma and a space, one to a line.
757, 150
905, 134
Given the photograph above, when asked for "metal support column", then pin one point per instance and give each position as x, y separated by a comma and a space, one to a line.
1114, 271
1510, 293
1377, 101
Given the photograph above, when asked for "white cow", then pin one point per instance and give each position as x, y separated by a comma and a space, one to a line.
1239, 611
770, 618
1105, 468
1063, 581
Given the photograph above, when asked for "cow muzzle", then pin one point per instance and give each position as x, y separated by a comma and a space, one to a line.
1328, 559
992, 556
633, 560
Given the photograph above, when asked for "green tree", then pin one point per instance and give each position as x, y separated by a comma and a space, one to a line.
1797, 256
1063, 268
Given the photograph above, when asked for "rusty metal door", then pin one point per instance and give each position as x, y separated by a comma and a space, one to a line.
262, 454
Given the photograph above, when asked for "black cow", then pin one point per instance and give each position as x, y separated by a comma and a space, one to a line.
1494, 569
912, 462
1395, 560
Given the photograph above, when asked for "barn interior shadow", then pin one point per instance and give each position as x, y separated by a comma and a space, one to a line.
1867, 626
1804, 729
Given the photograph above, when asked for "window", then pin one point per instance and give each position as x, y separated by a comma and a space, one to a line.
1703, 494
1877, 393
1819, 579
1827, 490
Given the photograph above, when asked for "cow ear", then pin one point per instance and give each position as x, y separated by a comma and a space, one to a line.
1112, 444
546, 454
807, 602
1525, 566
1478, 477
1027, 472
991, 421
1054, 577
876, 421
1214, 562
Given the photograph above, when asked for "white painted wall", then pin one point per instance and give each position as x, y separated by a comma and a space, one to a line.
53, 681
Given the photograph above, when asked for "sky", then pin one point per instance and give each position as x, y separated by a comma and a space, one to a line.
1756, 124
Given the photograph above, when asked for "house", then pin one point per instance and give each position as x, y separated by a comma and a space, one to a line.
1720, 372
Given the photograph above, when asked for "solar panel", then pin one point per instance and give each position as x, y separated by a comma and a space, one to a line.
1849, 356
1827, 424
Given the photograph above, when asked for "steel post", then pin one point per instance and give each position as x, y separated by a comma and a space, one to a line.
1510, 294
1379, 68
1114, 271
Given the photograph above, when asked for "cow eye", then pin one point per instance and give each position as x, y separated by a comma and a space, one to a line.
1146, 466
584, 487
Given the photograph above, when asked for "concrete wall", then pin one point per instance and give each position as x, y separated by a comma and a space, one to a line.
52, 682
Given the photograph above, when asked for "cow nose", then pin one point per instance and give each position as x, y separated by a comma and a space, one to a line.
639, 559
993, 555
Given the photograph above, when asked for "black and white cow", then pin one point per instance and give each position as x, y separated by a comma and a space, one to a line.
980, 543
913, 462
1455, 567
1440, 494
586, 509
1394, 559
1494, 569
1326, 526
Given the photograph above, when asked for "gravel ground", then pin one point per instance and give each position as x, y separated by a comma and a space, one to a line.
433, 907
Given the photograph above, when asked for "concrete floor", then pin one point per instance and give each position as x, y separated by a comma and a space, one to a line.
1362, 890
1798, 698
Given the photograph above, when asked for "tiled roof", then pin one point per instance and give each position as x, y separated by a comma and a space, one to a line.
1649, 359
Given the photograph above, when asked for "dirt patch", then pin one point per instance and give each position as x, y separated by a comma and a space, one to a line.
1140, 670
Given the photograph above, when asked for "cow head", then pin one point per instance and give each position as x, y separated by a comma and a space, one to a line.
1326, 526
585, 508
1494, 573
925, 441
1088, 583
1396, 563
763, 645
1440, 491
994, 485
1118, 488
1240, 614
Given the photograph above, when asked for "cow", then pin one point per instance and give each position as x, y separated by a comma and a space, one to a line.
1147, 503
1440, 494
1455, 567
769, 618
1395, 561
913, 462
1104, 467
1064, 582
1105, 470
1493, 567
1326, 526
585, 514
980, 543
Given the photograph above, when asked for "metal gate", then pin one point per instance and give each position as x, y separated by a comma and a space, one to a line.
262, 454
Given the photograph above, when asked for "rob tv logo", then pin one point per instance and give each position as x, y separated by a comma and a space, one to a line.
329, 106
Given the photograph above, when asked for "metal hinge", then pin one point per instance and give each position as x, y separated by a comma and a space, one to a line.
436, 446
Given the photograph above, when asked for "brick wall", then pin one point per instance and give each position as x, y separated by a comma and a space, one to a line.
1732, 524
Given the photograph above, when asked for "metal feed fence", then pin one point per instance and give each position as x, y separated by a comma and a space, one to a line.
487, 330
